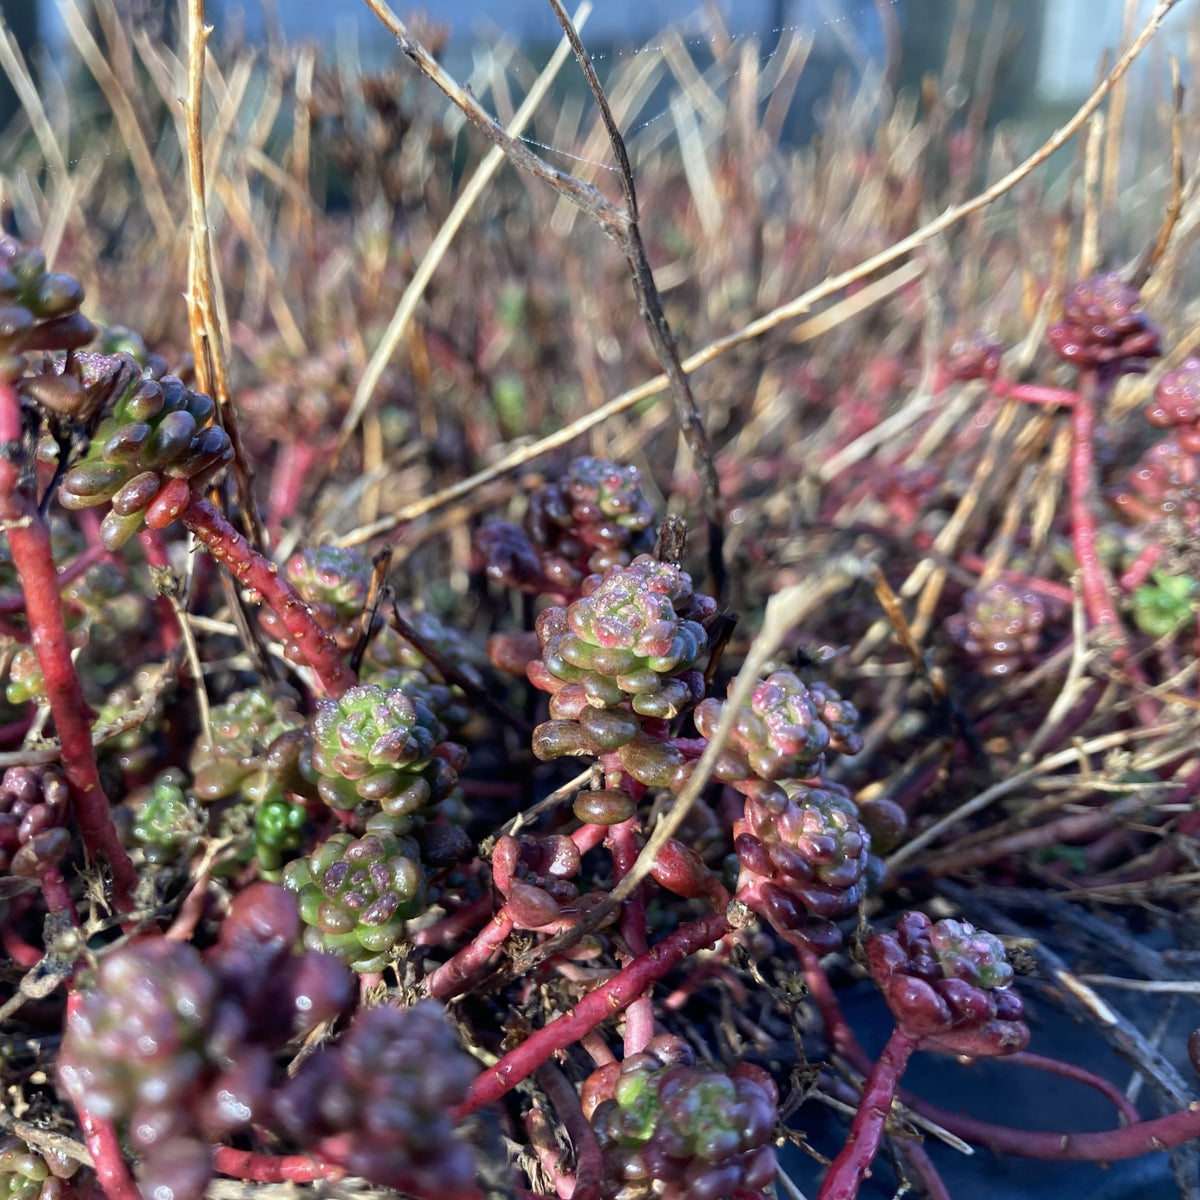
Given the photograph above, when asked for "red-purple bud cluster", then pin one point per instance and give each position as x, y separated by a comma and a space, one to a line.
378, 1102
1164, 485
1176, 404
177, 1047
39, 309
804, 858
1104, 327
592, 518
973, 356
674, 1131
1000, 625
34, 805
948, 983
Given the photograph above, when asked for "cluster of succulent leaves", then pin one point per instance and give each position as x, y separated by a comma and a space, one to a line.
587, 520
39, 309
668, 1128
177, 1048
155, 442
29, 1174
949, 983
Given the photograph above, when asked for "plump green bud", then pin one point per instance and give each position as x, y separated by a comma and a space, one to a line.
633, 635
242, 730
356, 894
1164, 603
278, 831
383, 747
166, 824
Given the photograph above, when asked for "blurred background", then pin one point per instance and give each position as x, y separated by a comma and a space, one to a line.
1052, 51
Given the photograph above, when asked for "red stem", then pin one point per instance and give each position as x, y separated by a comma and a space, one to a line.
1034, 393
271, 1168
598, 1005
855, 1158
470, 963
56, 893
29, 540
1055, 1066
159, 560
1093, 576
1139, 570
1106, 1145
639, 1017
252, 570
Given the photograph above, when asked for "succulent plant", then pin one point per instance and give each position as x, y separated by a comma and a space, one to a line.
355, 894
176, 1048
804, 860
156, 442
378, 1102
279, 826
385, 748
675, 1131
1164, 486
25, 682
28, 1174
1176, 403
34, 807
39, 309
1164, 603
1104, 327
778, 735
973, 356
334, 582
243, 729
592, 518
166, 823
1000, 626
635, 635
392, 661
949, 983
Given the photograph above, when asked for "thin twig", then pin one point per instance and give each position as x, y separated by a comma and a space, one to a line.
207, 347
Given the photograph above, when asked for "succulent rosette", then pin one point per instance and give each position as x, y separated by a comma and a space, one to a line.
1105, 328
1163, 486
674, 1131
176, 1048
392, 661
1000, 625
156, 442
592, 518
385, 748
28, 1174
949, 984
243, 729
355, 894
778, 735
378, 1102
804, 860
634, 635
166, 824
973, 356
1176, 403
